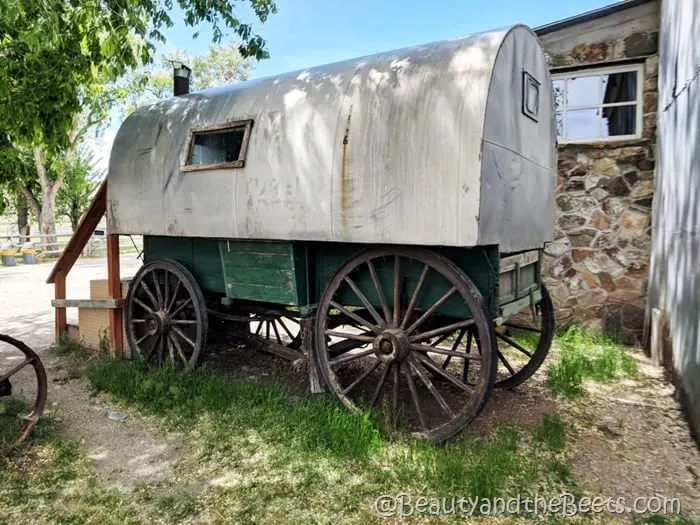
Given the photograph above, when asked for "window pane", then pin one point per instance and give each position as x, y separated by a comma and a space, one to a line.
217, 147
620, 87
583, 91
619, 120
558, 86
582, 124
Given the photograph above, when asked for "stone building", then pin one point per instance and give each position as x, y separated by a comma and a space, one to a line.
604, 67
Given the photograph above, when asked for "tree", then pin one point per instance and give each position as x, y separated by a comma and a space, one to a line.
221, 65
57, 56
79, 185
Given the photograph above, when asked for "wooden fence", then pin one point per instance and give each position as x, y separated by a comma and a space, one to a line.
96, 245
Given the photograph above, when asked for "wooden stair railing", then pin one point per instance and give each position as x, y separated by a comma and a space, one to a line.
70, 254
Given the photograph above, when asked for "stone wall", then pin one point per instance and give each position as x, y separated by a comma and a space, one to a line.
597, 268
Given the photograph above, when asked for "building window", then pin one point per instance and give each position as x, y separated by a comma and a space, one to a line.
598, 104
218, 147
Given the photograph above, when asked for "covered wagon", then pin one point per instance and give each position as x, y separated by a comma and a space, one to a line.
380, 218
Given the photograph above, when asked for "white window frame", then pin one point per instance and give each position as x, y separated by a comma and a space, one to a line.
638, 102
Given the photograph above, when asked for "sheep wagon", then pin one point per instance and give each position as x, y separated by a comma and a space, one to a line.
381, 219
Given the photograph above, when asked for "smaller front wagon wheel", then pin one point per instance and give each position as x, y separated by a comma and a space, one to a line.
166, 316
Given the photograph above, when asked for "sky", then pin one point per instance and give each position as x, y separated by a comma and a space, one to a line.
307, 33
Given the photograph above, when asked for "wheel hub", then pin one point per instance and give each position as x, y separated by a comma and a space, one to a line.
391, 345
159, 323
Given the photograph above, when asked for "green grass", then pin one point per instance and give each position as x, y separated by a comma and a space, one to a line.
65, 346
10, 423
274, 457
587, 356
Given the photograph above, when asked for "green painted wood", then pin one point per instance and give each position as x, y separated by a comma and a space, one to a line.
260, 271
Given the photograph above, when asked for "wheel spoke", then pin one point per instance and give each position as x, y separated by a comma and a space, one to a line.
356, 317
174, 297
465, 370
430, 312
397, 291
514, 344
150, 295
429, 349
375, 315
151, 350
179, 350
181, 307
166, 288
143, 305
259, 328
382, 380
183, 321
395, 392
414, 297
284, 327
380, 292
171, 351
159, 295
505, 362
142, 338
454, 347
435, 368
138, 321
442, 330
414, 393
518, 326
344, 346
182, 334
277, 334
363, 376
364, 337
421, 373
16, 369
350, 357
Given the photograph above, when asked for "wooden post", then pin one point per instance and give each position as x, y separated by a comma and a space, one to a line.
60, 313
316, 381
114, 289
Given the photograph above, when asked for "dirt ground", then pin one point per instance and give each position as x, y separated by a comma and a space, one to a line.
628, 438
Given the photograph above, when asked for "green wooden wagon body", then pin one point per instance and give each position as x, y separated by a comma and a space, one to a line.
296, 273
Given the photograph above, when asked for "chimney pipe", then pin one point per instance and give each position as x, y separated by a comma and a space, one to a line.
181, 79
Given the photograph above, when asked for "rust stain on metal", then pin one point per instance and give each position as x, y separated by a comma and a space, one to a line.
343, 174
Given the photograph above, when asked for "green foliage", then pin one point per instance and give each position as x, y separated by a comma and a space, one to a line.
75, 194
551, 433
54, 51
586, 355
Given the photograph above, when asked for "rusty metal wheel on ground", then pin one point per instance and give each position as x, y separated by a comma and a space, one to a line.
23, 389
371, 329
166, 316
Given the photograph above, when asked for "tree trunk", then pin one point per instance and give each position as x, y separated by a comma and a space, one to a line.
47, 221
22, 219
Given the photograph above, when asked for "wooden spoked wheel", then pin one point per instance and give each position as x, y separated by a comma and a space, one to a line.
23, 389
166, 316
524, 341
282, 330
372, 325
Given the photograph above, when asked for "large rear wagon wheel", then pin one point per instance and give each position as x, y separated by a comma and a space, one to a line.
524, 341
375, 356
23, 389
166, 316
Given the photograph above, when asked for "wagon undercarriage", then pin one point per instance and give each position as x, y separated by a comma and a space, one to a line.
403, 331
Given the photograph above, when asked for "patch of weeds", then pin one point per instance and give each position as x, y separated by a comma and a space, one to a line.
586, 355
178, 507
66, 346
11, 411
551, 433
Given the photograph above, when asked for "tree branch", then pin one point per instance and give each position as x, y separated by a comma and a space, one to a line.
41, 168
31, 199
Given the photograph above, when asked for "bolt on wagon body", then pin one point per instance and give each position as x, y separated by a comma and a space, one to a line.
381, 219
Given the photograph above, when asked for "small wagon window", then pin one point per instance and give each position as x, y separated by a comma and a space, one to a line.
217, 147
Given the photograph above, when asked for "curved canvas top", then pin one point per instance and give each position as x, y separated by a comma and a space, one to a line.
449, 143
